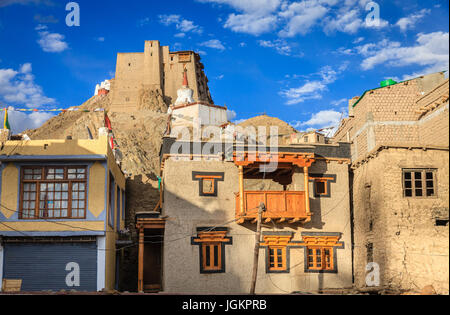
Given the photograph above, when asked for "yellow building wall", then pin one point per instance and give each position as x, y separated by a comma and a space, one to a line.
97, 182
10, 184
56, 147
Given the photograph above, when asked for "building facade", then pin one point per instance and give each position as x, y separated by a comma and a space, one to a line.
156, 69
62, 209
206, 231
399, 136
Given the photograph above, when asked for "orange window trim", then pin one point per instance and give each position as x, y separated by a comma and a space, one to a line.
276, 259
326, 258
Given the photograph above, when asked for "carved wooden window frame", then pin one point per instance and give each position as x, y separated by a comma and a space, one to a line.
321, 242
71, 179
327, 179
210, 242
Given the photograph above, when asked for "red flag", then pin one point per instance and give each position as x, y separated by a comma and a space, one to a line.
108, 122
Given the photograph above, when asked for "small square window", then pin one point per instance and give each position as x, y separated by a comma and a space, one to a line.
208, 186
321, 188
419, 183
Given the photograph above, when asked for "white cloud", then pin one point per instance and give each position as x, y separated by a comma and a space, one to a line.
358, 40
18, 87
20, 121
258, 7
410, 21
313, 89
339, 102
4, 3
431, 51
100, 39
320, 120
213, 43
220, 77
302, 16
50, 42
250, 23
308, 91
324, 118
180, 35
180, 23
255, 16
231, 115
281, 46
292, 18
349, 22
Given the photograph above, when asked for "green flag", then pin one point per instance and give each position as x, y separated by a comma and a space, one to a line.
6, 122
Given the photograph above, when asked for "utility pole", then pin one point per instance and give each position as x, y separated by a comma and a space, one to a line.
262, 208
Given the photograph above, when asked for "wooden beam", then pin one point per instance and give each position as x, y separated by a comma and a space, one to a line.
307, 204
268, 220
141, 261
241, 189
294, 220
282, 220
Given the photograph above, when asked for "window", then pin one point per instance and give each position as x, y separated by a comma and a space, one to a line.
320, 258
321, 251
118, 206
322, 184
305, 139
208, 182
123, 204
278, 246
419, 183
111, 200
53, 192
208, 186
211, 253
211, 242
277, 258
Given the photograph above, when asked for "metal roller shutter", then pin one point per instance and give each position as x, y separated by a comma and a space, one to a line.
42, 266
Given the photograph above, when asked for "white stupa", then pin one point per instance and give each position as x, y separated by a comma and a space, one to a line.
186, 110
185, 94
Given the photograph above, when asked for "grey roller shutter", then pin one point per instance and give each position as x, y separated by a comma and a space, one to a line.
42, 266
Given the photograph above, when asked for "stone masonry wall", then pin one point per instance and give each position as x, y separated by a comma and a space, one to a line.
398, 233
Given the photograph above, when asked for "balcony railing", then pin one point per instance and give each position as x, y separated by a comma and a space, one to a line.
280, 206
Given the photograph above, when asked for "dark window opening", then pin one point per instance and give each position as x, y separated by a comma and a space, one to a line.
441, 222
369, 248
321, 188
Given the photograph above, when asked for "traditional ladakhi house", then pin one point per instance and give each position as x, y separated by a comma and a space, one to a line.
62, 209
202, 240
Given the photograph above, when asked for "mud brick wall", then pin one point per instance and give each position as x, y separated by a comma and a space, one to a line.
398, 233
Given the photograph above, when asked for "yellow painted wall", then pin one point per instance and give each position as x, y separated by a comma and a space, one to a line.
9, 197
72, 226
110, 268
97, 182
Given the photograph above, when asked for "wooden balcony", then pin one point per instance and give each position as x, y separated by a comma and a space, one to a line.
281, 206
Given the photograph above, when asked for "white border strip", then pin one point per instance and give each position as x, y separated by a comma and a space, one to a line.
101, 262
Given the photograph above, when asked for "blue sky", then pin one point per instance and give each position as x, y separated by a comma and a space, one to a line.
297, 60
